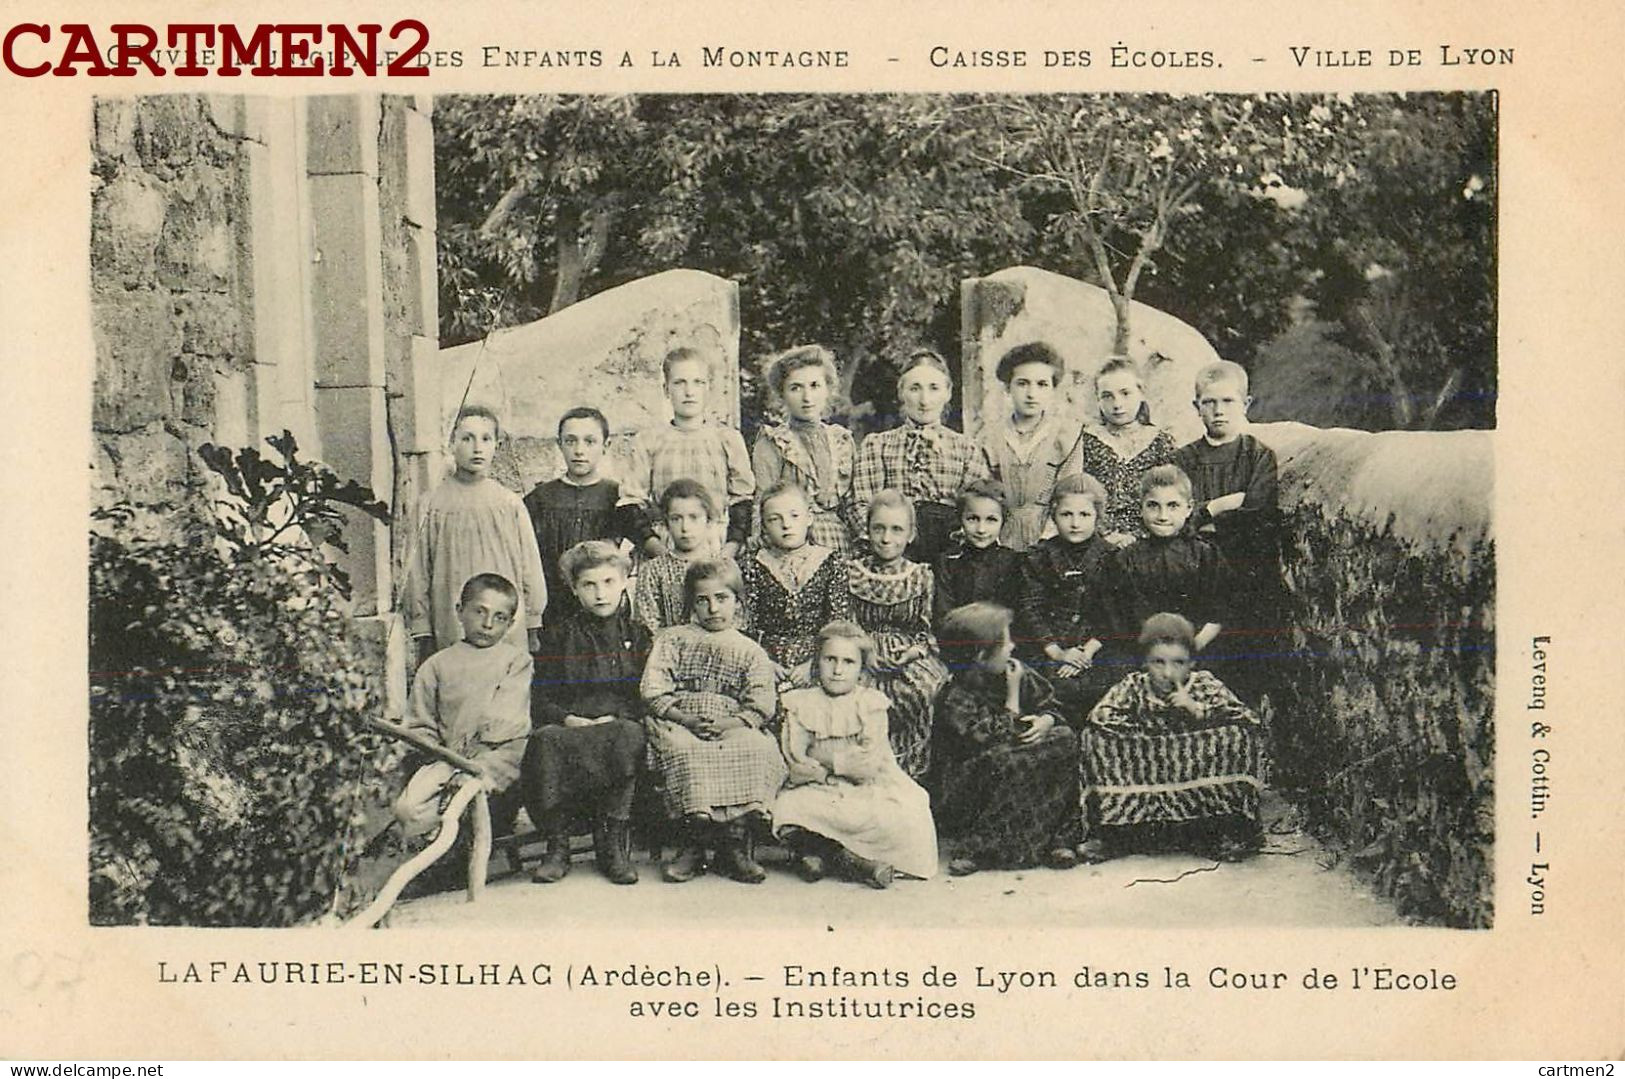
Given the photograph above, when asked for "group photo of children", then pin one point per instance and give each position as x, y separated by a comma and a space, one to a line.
1037, 647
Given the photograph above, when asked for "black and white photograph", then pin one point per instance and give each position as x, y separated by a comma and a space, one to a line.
736, 510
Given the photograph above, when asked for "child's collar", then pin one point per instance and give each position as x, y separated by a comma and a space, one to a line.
570, 481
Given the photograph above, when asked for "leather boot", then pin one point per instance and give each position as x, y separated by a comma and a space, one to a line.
689, 861
612, 849
555, 864
739, 855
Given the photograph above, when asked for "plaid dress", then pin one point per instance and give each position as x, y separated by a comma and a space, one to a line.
894, 606
929, 464
791, 595
820, 458
1146, 760
712, 674
657, 598
712, 456
1004, 803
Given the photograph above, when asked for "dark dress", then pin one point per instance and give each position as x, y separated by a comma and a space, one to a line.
589, 667
1121, 478
967, 574
1179, 574
1003, 803
785, 620
564, 514
1063, 602
1250, 541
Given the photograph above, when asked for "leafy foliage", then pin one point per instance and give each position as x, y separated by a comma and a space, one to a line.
230, 765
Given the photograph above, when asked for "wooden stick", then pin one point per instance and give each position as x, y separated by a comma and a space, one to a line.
424, 858
435, 749
479, 856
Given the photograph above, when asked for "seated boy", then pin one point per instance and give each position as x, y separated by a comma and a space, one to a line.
588, 736
1234, 489
473, 698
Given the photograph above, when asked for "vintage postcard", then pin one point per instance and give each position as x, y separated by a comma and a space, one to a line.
807, 531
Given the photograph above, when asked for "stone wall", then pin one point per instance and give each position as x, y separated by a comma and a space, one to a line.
173, 340
1022, 304
604, 351
1383, 726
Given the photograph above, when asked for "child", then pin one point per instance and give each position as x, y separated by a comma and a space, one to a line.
1234, 488
471, 524
587, 737
581, 504
1007, 766
978, 566
691, 447
472, 697
805, 450
1063, 612
847, 802
892, 600
1126, 445
689, 512
792, 586
1169, 570
924, 460
1171, 746
710, 694
1034, 448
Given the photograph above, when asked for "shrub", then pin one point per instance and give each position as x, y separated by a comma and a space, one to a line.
230, 764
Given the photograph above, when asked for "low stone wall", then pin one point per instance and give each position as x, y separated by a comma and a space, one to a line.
1384, 727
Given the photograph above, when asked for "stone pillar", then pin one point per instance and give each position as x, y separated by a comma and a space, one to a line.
341, 165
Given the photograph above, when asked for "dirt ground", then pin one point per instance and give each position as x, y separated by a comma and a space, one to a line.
1294, 882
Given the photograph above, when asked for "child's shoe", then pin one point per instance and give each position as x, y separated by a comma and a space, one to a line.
555, 864
810, 868
612, 849
1061, 858
962, 867
684, 866
867, 870
738, 855
1094, 850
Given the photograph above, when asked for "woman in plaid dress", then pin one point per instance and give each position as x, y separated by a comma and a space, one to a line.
891, 598
816, 456
711, 694
923, 459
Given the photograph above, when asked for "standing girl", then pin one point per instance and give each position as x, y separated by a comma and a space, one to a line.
847, 801
892, 600
1125, 446
710, 692
923, 459
805, 450
1033, 448
792, 585
472, 525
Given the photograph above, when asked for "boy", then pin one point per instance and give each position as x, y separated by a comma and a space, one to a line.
1168, 570
582, 505
1234, 487
979, 566
587, 740
690, 514
690, 447
1062, 616
473, 698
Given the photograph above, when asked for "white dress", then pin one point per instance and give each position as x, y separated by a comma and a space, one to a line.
869, 805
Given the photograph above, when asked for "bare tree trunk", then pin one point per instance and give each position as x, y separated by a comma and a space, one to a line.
1121, 306
569, 263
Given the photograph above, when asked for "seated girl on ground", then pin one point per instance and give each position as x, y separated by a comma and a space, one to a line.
847, 803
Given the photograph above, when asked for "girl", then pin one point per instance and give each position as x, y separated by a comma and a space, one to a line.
471, 525
1035, 447
792, 586
891, 599
1125, 446
804, 449
924, 460
710, 694
1007, 766
1064, 614
978, 566
690, 513
847, 801
1171, 746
